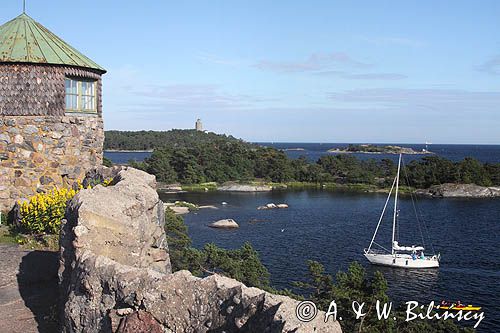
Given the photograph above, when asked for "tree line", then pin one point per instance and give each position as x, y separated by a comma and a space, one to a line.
192, 157
149, 140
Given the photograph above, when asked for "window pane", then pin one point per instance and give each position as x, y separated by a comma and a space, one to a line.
71, 91
85, 102
88, 88
80, 95
71, 102
70, 86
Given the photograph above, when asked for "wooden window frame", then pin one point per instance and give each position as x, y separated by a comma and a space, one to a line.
79, 95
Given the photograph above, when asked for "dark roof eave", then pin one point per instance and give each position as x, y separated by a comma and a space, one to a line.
100, 71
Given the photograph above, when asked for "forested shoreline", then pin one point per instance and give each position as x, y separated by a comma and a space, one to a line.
193, 157
150, 140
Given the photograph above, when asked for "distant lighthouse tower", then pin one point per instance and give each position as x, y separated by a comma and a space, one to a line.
199, 125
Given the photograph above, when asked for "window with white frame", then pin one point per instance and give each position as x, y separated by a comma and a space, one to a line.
81, 95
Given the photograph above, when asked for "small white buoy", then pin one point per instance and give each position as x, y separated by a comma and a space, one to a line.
282, 230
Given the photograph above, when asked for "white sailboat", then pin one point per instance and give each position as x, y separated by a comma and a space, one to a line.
399, 256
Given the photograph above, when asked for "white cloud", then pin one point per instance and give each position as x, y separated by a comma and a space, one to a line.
362, 76
315, 62
449, 101
492, 66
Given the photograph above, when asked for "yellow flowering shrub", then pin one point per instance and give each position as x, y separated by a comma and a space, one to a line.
106, 182
44, 211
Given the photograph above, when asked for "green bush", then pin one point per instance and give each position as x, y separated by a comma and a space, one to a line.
3, 218
107, 162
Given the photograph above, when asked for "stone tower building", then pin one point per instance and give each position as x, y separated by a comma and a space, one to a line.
51, 129
198, 125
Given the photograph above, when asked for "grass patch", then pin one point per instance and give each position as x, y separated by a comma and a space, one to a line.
6, 237
29, 242
3, 218
303, 186
361, 187
331, 186
38, 242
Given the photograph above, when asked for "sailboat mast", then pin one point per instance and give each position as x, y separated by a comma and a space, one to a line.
395, 205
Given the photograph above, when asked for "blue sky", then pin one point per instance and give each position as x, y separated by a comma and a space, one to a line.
308, 71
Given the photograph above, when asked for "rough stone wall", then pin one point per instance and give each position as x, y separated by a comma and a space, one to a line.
39, 152
115, 274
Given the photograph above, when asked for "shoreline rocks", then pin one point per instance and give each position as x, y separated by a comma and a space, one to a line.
273, 206
179, 210
181, 207
224, 224
208, 207
450, 190
369, 149
244, 188
170, 188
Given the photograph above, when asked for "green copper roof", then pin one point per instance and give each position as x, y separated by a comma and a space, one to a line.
23, 40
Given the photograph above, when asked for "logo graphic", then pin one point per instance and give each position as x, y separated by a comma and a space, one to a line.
306, 311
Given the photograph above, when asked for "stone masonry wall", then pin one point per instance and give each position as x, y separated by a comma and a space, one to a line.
40, 152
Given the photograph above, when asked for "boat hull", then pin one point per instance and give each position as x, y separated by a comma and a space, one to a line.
402, 261
459, 308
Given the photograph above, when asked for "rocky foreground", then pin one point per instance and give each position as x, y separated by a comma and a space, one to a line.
115, 274
450, 190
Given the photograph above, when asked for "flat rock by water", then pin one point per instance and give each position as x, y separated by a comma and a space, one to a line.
244, 188
450, 190
273, 206
225, 224
179, 210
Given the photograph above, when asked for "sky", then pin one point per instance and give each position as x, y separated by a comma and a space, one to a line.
292, 71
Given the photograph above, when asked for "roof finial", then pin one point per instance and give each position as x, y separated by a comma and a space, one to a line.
24, 6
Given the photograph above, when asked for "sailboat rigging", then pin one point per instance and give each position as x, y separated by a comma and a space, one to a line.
399, 256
